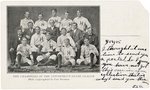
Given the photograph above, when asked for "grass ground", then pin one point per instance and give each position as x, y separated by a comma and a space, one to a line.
52, 69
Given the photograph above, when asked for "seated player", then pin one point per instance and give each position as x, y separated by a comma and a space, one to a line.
53, 30
88, 54
24, 53
48, 51
93, 39
66, 55
13, 45
35, 43
77, 36
62, 37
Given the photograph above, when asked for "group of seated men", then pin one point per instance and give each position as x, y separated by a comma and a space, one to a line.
59, 41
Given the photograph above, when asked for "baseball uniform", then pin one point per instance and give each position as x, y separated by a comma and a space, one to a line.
83, 23
68, 54
66, 23
25, 51
61, 38
48, 46
41, 23
85, 54
36, 40
56, 20
24, 23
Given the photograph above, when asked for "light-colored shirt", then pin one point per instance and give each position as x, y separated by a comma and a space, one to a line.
83, 23
41, 23
66, 23
87, 50
61, 39
56, 20
37, 39
24, 23
48, 45
24, 50
68, 52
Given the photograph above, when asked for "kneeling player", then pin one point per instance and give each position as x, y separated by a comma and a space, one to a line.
48, 51
66, 55
24, 53
88, 54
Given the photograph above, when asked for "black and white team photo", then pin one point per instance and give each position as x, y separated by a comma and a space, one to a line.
53, 39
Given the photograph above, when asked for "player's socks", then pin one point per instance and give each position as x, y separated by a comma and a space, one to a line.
92, 59
19, 60
59, 59
34, 57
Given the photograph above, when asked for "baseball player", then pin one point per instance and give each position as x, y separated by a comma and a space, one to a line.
62, 37
35, 43
77, 36
48, 51
24, 22
93, 38
29, 32
66, 55
55, 18
53, 30
83, 23
88, 54
41, 23
24, 53
66, 22
13, 45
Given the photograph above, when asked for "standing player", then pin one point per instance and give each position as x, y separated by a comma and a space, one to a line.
66, 22
48, 51
35, 43
88, 54
66, 55
83, 23
24, 53
41, 23
55, 18
24, 22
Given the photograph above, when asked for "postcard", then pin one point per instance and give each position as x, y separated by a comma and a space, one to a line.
74, 44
